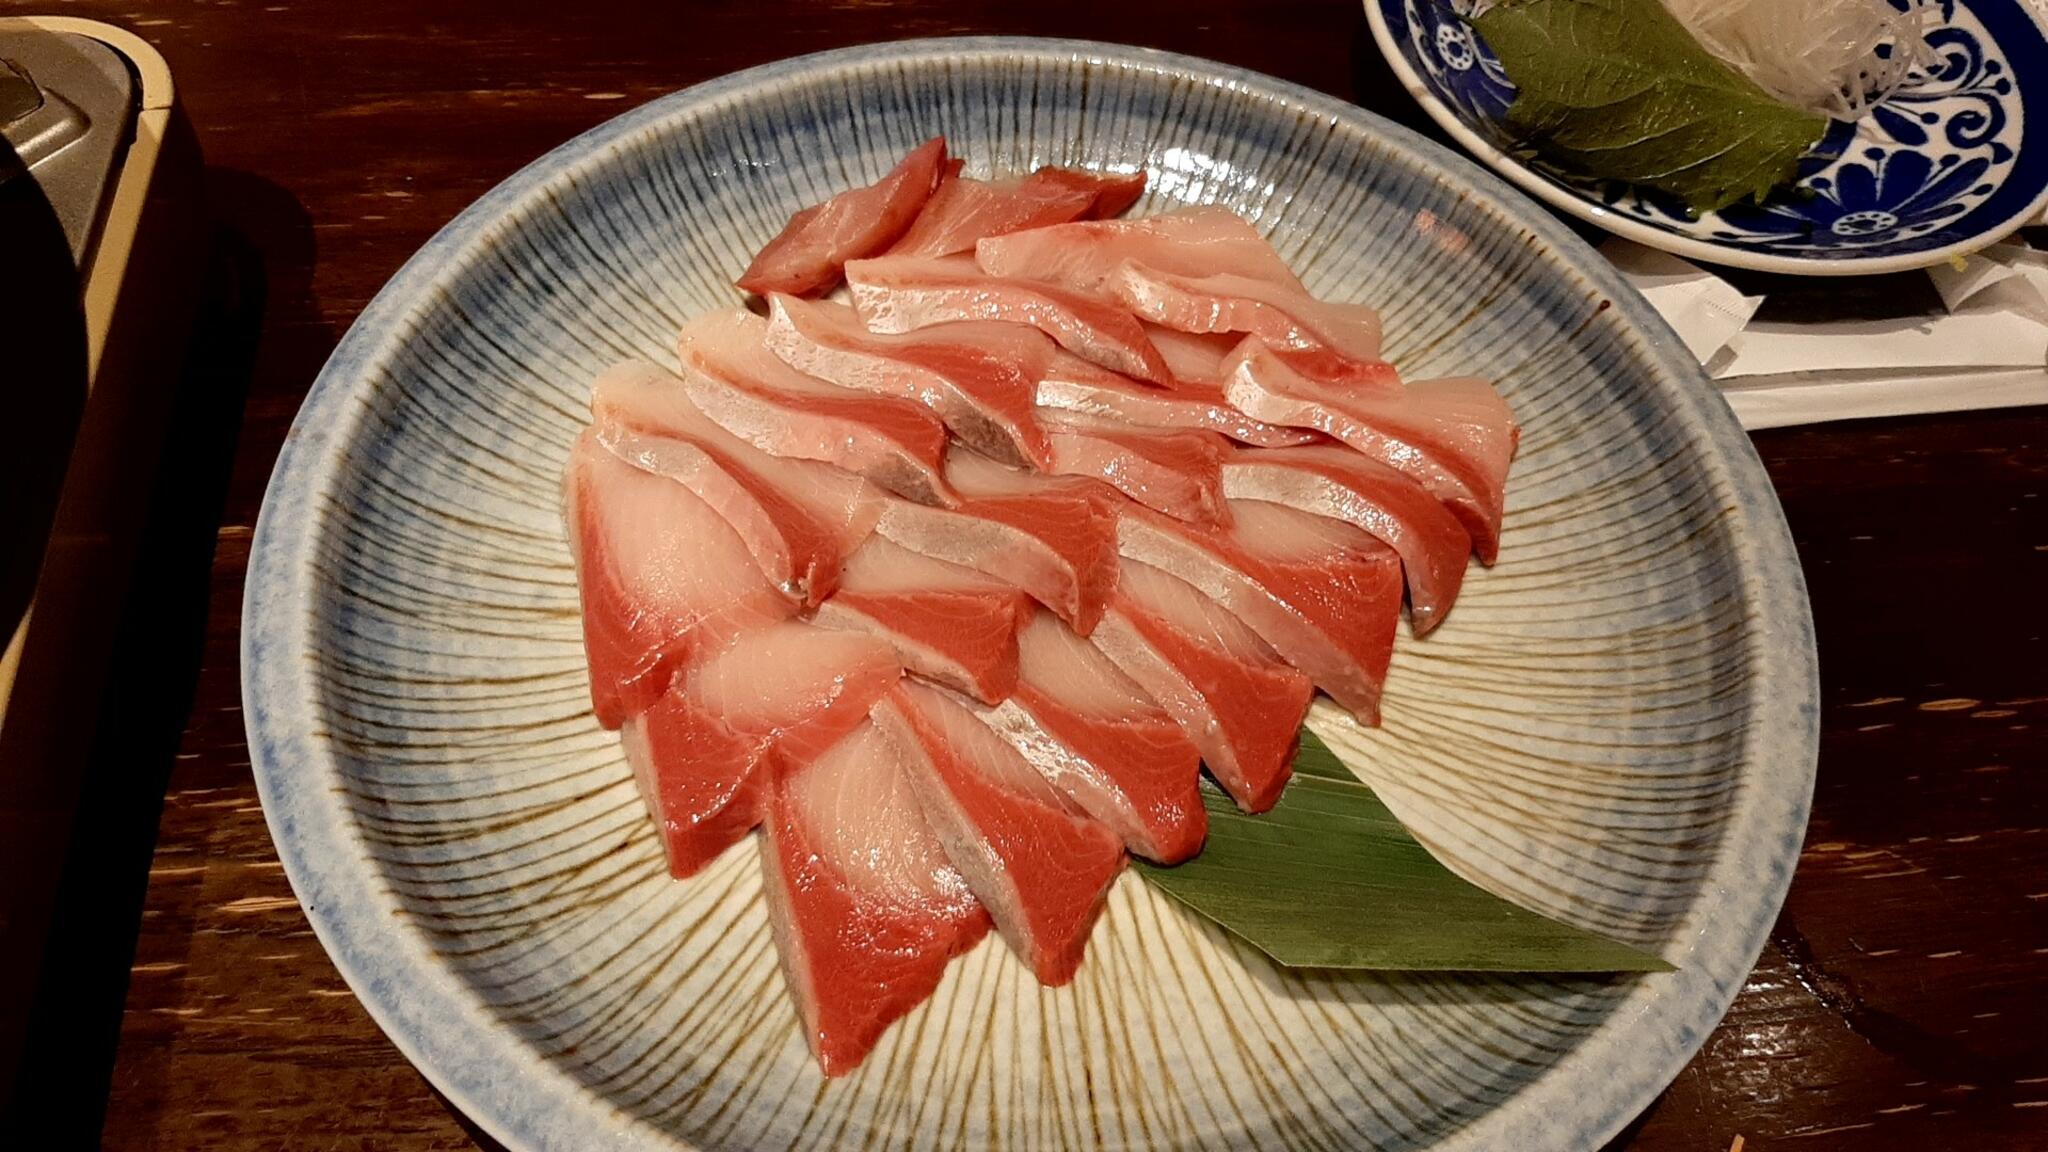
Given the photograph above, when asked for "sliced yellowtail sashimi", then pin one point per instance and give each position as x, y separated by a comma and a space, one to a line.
963, 211
807, 255
1084, 256
903, 293
732, 378
1195, 358
773, 700
1176, 471
1454, 437
1239, 703
947, 623
1323, 594
977, 376
1052, 536
1335, 481
662, 578
797, 518
1096, 735
865, 909
1335, 342
1040, 866
1071, 384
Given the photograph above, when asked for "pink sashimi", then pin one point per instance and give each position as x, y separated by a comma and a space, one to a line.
777, 697
1054, 537
1339, 342
903, 293
970, 375
1096, 735
732, 378
1335, 481
963, 211
947, 623
798, 519
1085, 256
1040, 866
1071, 384
1175, 471
1323, 594
808, 254
1454, 437
1114, 192
865, 909
662, 577
1227, 689
1195, 358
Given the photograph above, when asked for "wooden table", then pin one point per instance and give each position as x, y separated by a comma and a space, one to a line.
1899, 1003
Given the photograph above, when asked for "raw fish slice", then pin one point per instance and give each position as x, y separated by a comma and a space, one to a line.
1054, 537
1175, 471
703, 755
963, 211
661, 576
1040, 867
902, 293
799, 520
1084, 256
1454, 437
1335, 481
1224, 686
1092, 732
732, 378
946, 623
807, 255
1195, 358
1335, 342
970, 375
1071, 384
865, 909
1324, 595
1114, 191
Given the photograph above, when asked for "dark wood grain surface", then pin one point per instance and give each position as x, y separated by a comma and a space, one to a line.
1899, 1004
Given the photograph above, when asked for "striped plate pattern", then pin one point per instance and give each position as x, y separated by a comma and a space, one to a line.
1615, 726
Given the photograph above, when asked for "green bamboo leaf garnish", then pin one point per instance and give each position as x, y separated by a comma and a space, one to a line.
1619, 90
1329, 879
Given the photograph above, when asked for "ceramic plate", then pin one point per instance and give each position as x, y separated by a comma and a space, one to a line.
1615, 726
1956, 160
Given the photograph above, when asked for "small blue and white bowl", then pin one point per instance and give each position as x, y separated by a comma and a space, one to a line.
1954, 161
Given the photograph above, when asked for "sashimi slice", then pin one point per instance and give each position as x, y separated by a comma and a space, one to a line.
661, 576
1114, 191
1084, 256
703, 755
1335, 342
1193, 357
1175, 471
807, 255
865, 909
1096, 735
902, 293
963, 211
1335, 481
974, 376
1054, 537
1324, 595
732, 378
1040, 867
1454, 437
798, 519
947, 623
1071, 384
1224, 686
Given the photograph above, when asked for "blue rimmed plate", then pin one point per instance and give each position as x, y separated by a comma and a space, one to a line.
1954, 161
1616, 725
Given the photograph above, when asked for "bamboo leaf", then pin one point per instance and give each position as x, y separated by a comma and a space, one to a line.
1330, 879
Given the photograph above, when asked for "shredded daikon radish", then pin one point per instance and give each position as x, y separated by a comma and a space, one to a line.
1835, 57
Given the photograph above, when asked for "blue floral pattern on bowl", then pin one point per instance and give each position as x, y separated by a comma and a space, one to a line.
1939, 168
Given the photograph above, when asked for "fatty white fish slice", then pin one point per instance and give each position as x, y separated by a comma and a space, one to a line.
807, 255
963, 211
1040, 867
1084, 256
865, 908
1178, 471
661, 575
1071, 384
903, 293
1341, 341
732, 378
947, 623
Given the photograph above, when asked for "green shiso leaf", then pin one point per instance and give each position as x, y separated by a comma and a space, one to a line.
1619, 90
1330, 879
